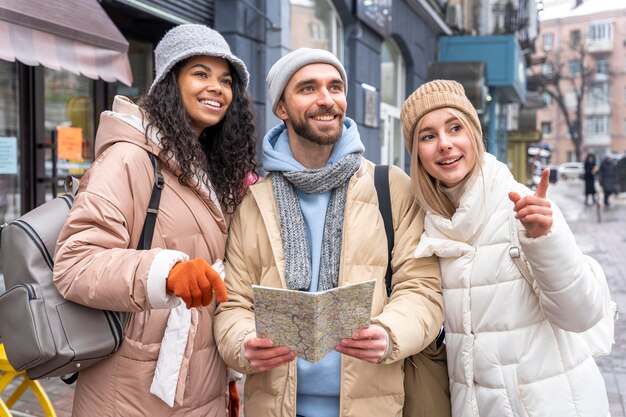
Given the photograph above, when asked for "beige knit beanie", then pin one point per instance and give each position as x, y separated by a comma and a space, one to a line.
431, 96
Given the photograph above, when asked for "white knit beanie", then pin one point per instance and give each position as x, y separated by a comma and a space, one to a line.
282, 71
185, 41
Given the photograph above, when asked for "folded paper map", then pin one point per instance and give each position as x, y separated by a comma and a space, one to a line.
312, 323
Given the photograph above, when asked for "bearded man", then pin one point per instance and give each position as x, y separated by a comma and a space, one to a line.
314, 224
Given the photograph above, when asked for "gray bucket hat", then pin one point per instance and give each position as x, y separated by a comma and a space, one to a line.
189, 40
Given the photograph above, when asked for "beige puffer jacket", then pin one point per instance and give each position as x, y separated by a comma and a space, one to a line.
412, 315
94, 266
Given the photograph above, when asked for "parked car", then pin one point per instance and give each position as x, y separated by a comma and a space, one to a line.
571, 170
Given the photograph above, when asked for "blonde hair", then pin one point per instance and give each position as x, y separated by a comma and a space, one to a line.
426, 188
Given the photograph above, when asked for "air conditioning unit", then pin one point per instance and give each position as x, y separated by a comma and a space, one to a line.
454, 15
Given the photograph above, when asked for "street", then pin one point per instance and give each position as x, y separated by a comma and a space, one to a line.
605, 241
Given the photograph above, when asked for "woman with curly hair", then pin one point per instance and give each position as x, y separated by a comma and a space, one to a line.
198, 122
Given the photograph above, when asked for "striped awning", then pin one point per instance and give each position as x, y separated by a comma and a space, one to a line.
74, 35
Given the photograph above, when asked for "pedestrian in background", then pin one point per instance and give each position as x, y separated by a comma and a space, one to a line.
590, 178
314, 224
197, 119
608, 177
512, 351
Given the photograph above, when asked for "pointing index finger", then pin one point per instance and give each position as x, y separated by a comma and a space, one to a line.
542, 188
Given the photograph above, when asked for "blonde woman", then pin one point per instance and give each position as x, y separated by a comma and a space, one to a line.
512, 350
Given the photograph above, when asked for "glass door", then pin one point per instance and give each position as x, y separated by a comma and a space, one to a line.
9, 143
69, 128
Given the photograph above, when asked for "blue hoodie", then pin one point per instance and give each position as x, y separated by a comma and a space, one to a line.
318, 383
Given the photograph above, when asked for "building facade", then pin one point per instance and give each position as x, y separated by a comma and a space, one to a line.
51, 98
581, 49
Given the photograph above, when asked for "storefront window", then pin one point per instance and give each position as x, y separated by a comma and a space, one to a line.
315, 24
69, 122
9, 147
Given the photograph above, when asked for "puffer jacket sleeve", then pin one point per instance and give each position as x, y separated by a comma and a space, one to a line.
414, 313
568, 292
95, 263
234, 319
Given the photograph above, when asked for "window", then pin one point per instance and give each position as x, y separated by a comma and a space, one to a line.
597, 125
574, 37
574, 67
69, 117
392, 74
598, 94
548, 41
570, 99
547, 99
600, 31
316, 24
9, 144
317, 32
624, 128
392, 94
546, 128
546, 69
602, 66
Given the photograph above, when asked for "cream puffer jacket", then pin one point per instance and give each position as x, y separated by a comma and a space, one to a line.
96, 265
512, 353
412, 315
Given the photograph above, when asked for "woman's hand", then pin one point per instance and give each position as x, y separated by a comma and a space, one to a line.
534, 211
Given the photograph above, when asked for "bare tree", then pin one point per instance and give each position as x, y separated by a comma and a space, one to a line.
561, 70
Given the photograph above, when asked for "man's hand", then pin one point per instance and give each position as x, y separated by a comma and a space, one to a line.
262, 354
534, 211
368, 344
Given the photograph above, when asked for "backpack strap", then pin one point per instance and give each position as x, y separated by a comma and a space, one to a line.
381, 182
145, 240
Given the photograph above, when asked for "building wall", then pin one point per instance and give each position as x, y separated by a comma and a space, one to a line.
260, 35
615, 53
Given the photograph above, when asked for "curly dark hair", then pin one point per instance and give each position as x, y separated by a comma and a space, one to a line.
224, 152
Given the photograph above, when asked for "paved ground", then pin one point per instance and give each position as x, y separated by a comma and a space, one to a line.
604, 240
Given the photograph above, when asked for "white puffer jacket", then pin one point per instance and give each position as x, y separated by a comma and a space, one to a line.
511, 352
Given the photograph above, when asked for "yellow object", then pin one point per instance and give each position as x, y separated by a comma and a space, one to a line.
7, 374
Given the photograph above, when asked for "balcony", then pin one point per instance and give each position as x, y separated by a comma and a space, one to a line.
597, 140
600, 45
595, 108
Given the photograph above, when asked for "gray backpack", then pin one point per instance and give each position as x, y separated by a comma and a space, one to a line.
42, 332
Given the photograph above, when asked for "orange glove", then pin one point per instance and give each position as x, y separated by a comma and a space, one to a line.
233, 399
195, 281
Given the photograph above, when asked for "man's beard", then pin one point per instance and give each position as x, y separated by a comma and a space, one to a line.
325, 136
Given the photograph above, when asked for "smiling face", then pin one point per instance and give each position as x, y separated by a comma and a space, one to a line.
445, 147
314, 104
205, 86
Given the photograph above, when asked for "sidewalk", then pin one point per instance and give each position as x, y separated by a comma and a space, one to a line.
605, 241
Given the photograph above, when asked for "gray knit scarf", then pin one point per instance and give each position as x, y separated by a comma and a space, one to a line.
293, 233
